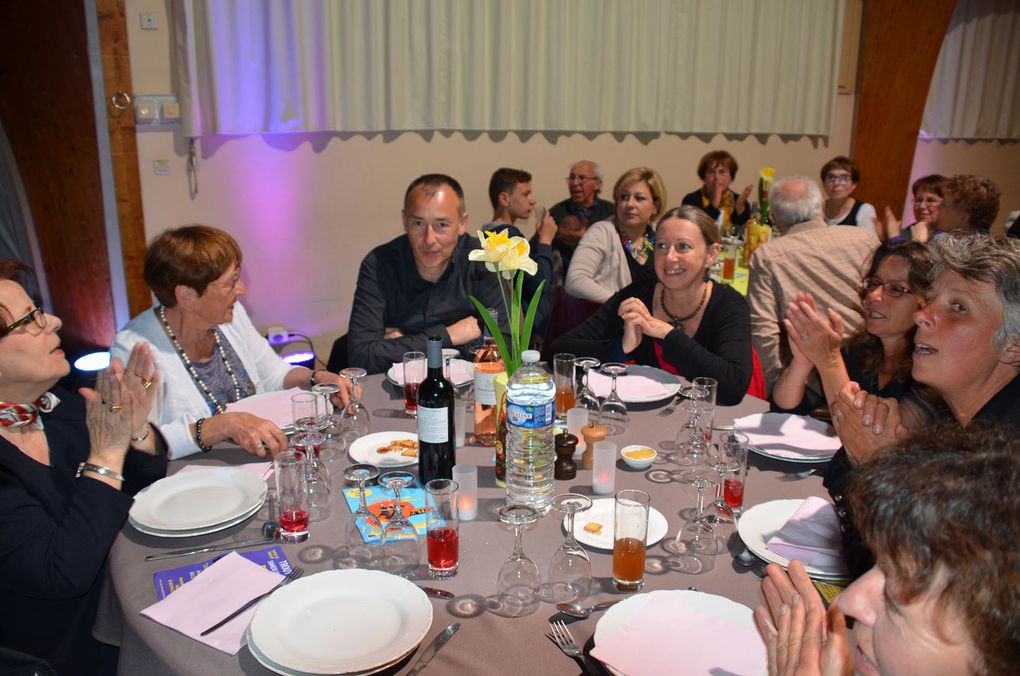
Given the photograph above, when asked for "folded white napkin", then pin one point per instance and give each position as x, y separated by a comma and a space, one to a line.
218, 591
789, 436
629, 388
648, 645
461, 371
274, 406
263, 470
811, 535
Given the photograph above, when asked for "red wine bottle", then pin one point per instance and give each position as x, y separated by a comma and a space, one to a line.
436, 450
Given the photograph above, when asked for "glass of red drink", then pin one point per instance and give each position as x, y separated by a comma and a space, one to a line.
442, 528
729, 458
630, 532
292, 495
414, 373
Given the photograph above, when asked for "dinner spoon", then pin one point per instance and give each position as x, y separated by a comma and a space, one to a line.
575, 609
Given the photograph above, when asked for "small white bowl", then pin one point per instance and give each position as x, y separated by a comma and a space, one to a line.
638, 463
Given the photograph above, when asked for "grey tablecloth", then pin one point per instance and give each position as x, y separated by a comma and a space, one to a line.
486, 643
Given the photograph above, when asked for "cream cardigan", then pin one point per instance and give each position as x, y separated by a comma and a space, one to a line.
599, 267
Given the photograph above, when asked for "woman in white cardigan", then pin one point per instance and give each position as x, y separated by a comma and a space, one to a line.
208, 352
612, 254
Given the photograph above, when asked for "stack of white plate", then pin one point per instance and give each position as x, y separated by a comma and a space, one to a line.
759, 523
197, 502
339, 622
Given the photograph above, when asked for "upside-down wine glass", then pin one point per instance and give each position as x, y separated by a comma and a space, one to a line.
570, 567
689, 442
727, 457
585, 398
518, 580
327, 424
613, 410
695, 546
400, 544
363, 536
355, 419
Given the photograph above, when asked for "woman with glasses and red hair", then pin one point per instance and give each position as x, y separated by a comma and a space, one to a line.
69, 465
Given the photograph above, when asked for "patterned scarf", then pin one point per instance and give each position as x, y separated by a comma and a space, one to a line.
20, 415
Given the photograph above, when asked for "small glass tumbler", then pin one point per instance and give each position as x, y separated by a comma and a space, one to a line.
442, 528
630, 533
292, 495
414, 373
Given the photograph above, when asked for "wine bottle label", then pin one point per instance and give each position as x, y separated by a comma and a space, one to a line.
485, 387
433, 425
530, 416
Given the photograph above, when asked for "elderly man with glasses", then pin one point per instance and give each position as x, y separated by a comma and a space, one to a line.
574, 214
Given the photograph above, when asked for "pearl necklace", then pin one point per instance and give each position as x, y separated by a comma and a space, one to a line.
188, 364
678, 322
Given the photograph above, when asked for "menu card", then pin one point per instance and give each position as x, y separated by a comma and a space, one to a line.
169, 581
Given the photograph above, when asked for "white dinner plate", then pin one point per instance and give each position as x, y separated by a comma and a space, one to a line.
197, 531
463, 373
759, 523
341, 622
364, 449
789, 437
656, 384
602, 511
280, 669
617, 617
188, 501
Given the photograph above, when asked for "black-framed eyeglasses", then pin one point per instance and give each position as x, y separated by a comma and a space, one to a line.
37, 315
892, 289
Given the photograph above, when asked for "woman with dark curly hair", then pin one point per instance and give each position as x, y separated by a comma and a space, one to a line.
879, 355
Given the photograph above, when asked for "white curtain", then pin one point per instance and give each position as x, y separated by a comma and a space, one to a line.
975, 90
685, 66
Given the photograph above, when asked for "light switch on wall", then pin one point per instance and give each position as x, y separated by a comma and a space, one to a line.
149, 21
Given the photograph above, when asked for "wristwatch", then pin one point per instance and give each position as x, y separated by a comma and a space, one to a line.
103, 471
312, 382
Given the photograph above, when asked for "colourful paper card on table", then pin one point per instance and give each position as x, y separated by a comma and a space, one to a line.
169, 581
380, 502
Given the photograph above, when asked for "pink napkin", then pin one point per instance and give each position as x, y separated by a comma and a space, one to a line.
263, 470
218, 591
811, 535
274, 406
630, 388
461, 372
789, 436
649, 645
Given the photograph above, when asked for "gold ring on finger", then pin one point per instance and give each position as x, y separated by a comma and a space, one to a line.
146, 383
116, 408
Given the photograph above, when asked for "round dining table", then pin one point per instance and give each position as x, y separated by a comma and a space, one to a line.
487, 642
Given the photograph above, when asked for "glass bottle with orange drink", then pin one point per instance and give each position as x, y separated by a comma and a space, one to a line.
488, 364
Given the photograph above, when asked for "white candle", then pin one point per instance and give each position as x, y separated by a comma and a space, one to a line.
466, 477
603, 475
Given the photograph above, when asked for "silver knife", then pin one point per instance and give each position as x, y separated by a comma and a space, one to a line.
211, 548
434, 647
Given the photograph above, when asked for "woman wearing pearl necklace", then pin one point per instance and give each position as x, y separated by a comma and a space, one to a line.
207, 349
680, 322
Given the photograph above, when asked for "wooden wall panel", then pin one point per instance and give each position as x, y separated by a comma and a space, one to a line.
47, 110
900, 45
113, 46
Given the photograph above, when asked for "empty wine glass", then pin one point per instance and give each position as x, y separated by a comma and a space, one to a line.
570, 568
613, 410
363, 535
585, 397
327, 424
518, 580
355, 419
689, 442
400, 545
694, 548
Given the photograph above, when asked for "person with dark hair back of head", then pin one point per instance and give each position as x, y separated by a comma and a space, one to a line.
971, 204
942, 516
417, 284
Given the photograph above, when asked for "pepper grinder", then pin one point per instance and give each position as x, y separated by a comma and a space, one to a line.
565, 467
592, 433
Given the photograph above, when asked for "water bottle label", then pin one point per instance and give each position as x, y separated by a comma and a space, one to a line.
530, 416
433, 425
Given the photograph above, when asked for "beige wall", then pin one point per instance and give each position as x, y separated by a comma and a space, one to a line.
306, 208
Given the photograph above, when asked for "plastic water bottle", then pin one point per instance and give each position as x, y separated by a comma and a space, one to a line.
530, 454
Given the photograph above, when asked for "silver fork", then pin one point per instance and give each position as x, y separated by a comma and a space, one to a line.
564, 640
672, 406
294, 574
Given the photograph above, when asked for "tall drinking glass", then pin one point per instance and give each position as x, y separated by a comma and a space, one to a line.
292, 495
729, 459
414, 373
563, 376
442, 528
630, 533
327, 424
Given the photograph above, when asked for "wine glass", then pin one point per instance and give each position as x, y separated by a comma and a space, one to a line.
585, 397
570, 568
326, 423
363, 535
310, 444
689, 440
355, 420
518, 580
613, 410
695, 546
400, 545
726, 457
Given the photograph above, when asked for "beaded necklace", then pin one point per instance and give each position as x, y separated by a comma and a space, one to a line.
678, 322
220, 408
647, 246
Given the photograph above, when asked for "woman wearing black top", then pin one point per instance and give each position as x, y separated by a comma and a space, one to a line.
68, 465
681, 322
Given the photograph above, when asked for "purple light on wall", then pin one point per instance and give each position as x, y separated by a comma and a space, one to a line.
304, 358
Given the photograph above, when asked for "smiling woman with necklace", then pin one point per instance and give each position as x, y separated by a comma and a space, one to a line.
207, 349
694, 328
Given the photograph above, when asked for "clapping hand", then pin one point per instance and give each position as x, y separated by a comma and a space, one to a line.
108, 412
142, 379
810, 336
639, 322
